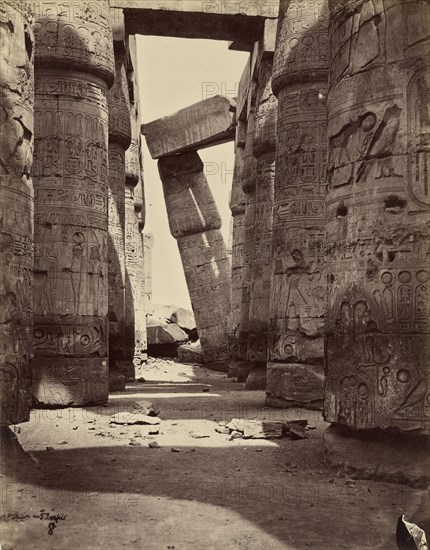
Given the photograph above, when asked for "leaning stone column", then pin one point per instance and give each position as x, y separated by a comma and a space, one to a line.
249, 173
195, 223
74, 63
264, 149
296, 351
16, 211
119, 141
378, 224
237, 207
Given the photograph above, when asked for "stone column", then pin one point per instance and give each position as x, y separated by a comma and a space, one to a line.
16, 211
195, 223
378, 218
135, 319
142, 259
148, 245
296, 352
237, 207
74, 62
119, 142
249, 173
264, 149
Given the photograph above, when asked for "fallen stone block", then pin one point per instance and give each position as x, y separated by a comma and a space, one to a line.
235, 435
161, 313
262, 429
237, 424
184, 318
222, 430
190, 353
166, 334
146, 407
133, 417
203, 124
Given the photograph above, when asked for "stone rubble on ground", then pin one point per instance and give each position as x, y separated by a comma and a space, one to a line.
133, 417
263, 429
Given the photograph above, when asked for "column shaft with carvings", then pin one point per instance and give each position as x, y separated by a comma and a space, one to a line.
74, 69
148, 246
195, 222
237, 207
16, 211
119, 142
143, 280
249, 173
378, 217
264, 150
135, 318
295, 374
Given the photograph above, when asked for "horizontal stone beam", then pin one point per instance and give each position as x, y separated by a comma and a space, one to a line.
241, 22
203, 124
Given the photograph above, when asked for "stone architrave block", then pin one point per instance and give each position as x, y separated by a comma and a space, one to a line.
203, 124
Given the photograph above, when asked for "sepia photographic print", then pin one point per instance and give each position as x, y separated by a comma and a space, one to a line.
214, 274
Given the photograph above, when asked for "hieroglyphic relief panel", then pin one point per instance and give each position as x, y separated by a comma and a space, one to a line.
194, 222
264, 150
70, 175
298, 293
378, 219
16, 211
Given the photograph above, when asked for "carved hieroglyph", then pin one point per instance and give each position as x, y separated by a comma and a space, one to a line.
249, 173
119, 142
195, 223
264, 150
237, 207
298, 290
74, 62
378, 216
16, 210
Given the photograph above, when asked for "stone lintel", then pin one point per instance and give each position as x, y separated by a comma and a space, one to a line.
203, 124
240, 22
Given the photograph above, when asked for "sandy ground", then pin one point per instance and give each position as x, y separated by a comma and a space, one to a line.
84, 484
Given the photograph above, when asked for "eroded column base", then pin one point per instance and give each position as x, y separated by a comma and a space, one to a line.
295, 385
243, 370
257, 378
220, 366
70, 382
379, 455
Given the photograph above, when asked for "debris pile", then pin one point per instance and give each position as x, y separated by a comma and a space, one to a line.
242, 428
170, 328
